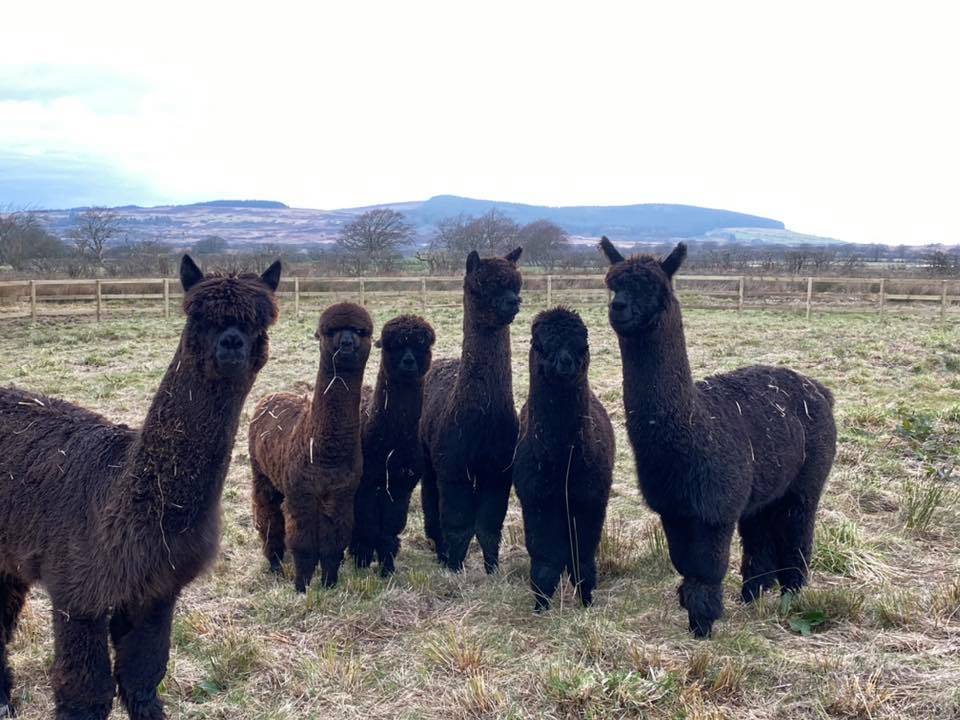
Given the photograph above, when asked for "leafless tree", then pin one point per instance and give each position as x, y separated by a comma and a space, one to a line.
375, 238
543, 242
93, 230
24, 240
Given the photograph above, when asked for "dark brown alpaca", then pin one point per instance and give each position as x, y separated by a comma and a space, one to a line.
750, 448
306, 456
469, 424
114, 522
392, 456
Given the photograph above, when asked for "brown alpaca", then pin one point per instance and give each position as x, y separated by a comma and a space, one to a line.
306, 455
114, 522
469, 425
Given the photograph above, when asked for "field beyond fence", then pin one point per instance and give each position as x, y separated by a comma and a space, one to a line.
800, 294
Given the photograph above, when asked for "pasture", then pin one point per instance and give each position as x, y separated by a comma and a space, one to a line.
877, 635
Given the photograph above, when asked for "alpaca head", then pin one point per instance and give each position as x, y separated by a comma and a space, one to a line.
559, 351
227, 319
344, 333
406, 344
492, 289
641, 288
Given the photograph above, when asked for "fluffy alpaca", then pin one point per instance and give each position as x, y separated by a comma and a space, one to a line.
468, 428
392, 457
306, 456
564, 464
114, 522
752, 447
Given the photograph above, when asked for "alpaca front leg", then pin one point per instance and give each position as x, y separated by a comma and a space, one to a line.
493, 497
83, 687
393, 521
330, 568
12, 596
304, 565
430, 502
700, 553
141, 642
268, 519
544, 578
366, 522
457, 517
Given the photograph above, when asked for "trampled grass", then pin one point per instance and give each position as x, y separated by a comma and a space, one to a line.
877, 635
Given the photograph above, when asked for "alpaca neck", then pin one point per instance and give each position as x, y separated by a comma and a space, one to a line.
334, 421
556, 412
185, 443
658, 390
485, 362
396, 404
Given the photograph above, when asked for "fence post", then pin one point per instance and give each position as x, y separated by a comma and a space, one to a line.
943, 302
33, 300
296, 296
809, 295
99, 299
549, 291
740, 295
363, 293
166, 298
883, 297
423, 295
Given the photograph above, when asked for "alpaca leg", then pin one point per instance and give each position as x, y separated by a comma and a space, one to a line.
13, 593
268, 519
494, 495
141, 642
430, 500
759, 564
457, 516
304, 564
544, 578
393, 519
584, 574
700, 553
330, 568
82, 684
366, 522
794, 526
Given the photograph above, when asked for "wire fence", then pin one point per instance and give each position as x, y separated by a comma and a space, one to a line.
807, 295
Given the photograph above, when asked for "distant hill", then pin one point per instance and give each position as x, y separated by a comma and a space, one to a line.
245, 222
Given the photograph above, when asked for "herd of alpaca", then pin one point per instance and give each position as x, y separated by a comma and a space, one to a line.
114, 521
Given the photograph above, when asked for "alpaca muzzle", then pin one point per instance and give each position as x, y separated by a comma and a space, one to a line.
233, 352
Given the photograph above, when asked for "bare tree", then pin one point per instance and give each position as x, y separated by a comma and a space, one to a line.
24, 241
92, 230
543, 243
375, 237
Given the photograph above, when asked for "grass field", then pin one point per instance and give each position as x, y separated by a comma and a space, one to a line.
877, 635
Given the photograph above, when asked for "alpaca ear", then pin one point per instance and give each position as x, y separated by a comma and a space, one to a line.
672, 262
190, 274
613, 255
271, 276
473, 261
514, 255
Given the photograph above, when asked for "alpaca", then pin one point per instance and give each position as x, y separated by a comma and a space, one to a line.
306, 456
750, 448
468, 428
564, 463
392, 457
113, 521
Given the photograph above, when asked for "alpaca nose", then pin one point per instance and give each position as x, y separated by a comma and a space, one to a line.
231, 351
231, 340
510, 302
618, 304
565, 364
408, 362
348, 342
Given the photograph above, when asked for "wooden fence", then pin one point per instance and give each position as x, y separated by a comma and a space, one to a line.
805, 295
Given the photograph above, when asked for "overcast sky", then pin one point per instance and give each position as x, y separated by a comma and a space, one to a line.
838, 118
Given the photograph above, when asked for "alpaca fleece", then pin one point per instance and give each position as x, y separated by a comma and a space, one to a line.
392, 456
113, 521
564, 463
468, 427
750, 449
306, 457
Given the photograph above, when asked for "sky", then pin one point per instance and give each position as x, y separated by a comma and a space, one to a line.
841, 119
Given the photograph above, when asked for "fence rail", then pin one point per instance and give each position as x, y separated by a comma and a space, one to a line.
802, 294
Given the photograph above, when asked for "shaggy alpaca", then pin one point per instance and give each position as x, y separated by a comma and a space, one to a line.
564, 463
469, 425
114, 522
392, 457
306, 456
752, 447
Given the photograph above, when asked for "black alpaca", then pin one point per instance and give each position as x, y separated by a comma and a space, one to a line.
392, 456
564, 463
751, 448
469, 425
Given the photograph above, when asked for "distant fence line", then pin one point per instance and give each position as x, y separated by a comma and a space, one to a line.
33, 298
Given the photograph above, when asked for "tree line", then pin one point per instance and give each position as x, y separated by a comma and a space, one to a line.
383, 242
